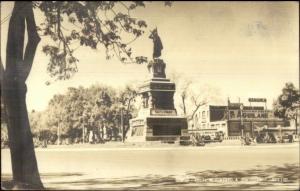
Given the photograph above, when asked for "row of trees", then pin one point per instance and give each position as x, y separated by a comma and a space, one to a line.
92, 107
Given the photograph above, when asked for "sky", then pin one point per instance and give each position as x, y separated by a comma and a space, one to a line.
243, 49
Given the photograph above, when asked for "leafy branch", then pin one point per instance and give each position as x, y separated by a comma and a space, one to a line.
91, 30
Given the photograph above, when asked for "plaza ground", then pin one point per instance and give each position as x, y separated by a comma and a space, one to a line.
168, 167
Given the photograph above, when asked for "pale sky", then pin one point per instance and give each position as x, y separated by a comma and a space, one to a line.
245, 49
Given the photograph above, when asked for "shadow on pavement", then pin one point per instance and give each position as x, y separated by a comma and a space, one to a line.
262, 177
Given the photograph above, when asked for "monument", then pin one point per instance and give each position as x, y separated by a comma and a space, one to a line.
157, 119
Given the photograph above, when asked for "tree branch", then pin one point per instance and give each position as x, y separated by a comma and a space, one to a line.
128, 10
33, 41
199, 105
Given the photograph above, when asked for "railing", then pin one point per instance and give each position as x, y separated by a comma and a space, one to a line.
232, 138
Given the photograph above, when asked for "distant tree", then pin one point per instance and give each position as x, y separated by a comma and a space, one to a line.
39, 126
184, 94
287, 102
127, 97
204, 94
183, 87
191, 96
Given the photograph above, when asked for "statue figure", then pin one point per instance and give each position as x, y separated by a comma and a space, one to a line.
157, 44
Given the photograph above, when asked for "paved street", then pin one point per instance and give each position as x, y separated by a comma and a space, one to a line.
221, 167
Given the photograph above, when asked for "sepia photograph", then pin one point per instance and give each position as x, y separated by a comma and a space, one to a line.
150, 95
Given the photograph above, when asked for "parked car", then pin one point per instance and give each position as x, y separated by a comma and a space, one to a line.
185, 140
286, 138
219, 136
207, 139
295, 138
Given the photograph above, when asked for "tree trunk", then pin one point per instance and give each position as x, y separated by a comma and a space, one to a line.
18, 66
183, 103
127, 114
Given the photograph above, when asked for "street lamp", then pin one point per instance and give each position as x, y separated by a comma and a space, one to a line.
242, 125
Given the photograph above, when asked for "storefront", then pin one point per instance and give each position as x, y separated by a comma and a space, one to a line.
233, 120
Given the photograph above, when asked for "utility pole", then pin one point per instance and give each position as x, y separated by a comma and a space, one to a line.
242, 124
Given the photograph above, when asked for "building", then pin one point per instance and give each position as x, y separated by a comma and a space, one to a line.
234, 120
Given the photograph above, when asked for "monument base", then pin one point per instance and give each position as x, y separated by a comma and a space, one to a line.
157, 128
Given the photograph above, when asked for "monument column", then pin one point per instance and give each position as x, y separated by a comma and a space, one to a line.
159, 121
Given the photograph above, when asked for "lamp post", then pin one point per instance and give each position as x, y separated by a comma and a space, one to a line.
242, 125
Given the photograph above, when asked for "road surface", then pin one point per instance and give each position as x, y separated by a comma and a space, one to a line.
274, 167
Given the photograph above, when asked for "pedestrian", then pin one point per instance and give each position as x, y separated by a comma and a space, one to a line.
91, 136
101, 132
242, 141
104, 132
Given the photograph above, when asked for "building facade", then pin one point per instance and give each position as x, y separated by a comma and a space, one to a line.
233, 120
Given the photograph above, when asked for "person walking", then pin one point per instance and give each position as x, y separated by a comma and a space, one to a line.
91, 137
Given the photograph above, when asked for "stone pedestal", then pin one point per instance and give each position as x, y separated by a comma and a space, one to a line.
157, 119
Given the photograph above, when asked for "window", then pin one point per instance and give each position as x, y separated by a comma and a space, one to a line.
203, 115
232, 115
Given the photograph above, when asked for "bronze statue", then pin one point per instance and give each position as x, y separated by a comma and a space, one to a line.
157, 44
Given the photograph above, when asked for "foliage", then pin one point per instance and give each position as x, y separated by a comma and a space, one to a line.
90, 107
287, 102
105, 23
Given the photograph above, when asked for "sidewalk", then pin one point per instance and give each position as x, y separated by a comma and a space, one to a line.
157, 146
